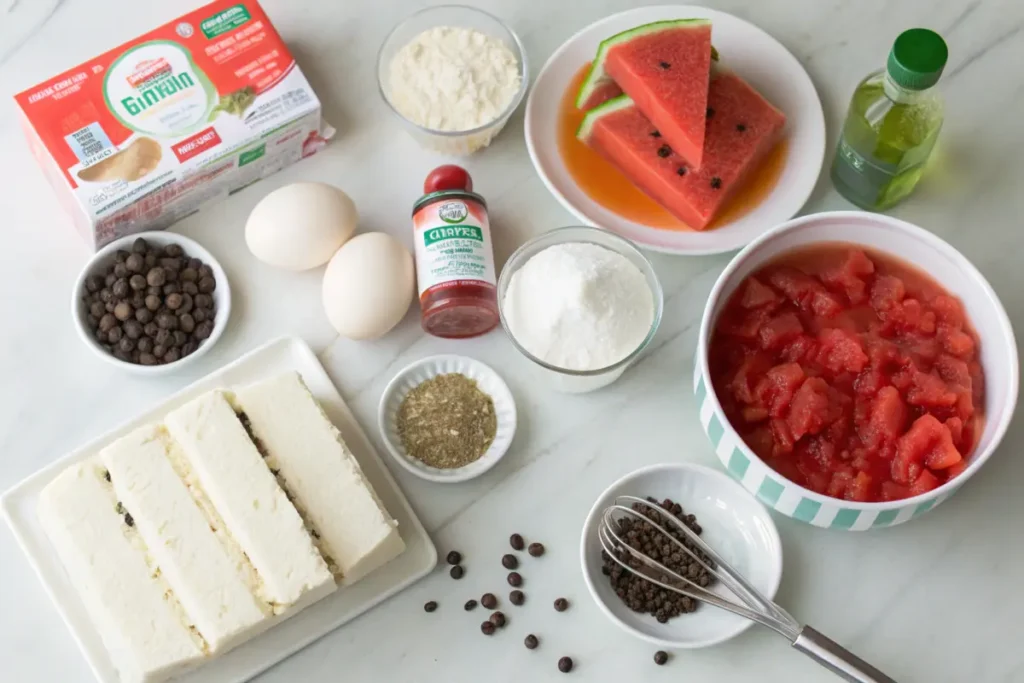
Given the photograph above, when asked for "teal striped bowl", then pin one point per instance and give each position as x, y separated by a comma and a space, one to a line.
913, 245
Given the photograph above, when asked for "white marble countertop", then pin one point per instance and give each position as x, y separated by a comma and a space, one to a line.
936, 600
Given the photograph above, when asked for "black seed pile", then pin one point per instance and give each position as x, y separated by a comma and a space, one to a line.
152, 306
636, 592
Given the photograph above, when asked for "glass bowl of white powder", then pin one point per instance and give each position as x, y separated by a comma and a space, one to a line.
580, 304
453, 75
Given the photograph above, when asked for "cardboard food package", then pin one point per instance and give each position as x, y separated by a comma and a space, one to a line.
144, 134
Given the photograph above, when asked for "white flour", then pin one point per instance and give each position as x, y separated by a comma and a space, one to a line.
579, 306
453, 79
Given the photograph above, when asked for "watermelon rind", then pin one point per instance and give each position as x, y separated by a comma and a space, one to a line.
597, 75
613, 105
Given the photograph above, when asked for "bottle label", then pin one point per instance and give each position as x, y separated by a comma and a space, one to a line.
453, 245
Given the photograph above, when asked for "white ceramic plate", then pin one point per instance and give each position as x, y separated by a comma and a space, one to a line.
412, 376
753, 54
288, 637
735, 525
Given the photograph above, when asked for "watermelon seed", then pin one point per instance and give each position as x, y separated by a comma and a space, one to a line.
655, 134
664, 151
716, 182
664, 65
710, 112
681, 170
740, 127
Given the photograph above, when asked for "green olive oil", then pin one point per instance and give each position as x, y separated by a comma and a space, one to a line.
893, 122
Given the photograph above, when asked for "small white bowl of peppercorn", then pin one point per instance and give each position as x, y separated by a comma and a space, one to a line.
447, 418
151, 302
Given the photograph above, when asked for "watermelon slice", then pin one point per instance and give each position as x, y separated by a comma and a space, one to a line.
664, 67
741, 129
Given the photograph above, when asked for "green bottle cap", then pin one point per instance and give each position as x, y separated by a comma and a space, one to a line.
917, 59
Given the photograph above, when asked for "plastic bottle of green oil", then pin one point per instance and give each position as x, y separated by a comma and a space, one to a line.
894, 119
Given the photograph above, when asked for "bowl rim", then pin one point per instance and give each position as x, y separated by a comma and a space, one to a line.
978, 458
517, 99
657, 293
161, 237
491, 457
741, 493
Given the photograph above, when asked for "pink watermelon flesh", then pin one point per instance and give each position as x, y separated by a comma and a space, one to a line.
666, 74
741, 128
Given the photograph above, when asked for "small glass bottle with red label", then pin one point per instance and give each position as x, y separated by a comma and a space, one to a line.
454, 257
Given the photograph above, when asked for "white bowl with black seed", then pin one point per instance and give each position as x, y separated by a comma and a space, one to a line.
106, 257
415, 374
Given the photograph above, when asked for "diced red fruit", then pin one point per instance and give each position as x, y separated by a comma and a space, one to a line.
809, 409
783, 437
893, 491
955, 425
887, 418
780, 330
754, 414
870, 382
849, 277
956, 470
777, 388
841, 351
757, 294
859, 489
953, 371
805, 291
927, 443
803, 348
744, 326
925, 482
977, 382
887, 291
948, 309
837, 486
749, 374
929, 391
955, 341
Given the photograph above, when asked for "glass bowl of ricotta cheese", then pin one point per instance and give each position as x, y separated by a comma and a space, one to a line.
453, 75
580, 304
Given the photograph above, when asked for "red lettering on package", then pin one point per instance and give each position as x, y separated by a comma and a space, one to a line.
197, 144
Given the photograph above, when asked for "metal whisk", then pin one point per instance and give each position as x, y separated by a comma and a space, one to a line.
754, 606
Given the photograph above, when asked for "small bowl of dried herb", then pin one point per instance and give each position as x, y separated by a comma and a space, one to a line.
447, 418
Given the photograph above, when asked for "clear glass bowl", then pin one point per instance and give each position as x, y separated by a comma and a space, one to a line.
458, 143
581, 381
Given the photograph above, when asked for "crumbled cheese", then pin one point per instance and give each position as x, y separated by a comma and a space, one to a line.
453, 79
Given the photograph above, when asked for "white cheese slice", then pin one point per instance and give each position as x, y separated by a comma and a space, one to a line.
255, 509
140, 627
209, 582
320, 473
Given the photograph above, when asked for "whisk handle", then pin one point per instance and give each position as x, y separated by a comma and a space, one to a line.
837, 659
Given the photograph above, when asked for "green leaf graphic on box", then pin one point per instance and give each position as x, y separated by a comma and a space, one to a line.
235, 103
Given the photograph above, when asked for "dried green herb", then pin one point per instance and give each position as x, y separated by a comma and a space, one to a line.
235, 103
447, 421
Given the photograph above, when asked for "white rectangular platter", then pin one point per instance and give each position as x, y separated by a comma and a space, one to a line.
287, 637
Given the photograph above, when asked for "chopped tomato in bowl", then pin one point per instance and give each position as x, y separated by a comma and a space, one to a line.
854, 364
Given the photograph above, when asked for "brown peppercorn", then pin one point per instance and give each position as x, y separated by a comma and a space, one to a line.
531, 642
561, 604
151, 329
140, 246
190, 288
172, 355
516, 541
489, 601
154, 291
107, 322
110, 305
153, 302
163, 337
147, 358
106, 295
171, 264
114, 335
517, 597
137, 282
120, 255
135, 263
171, 288
536, 549
156, 277
121, 288
133, 328
515, 579
509, 561
174, 250
498, 619
189, 274
487, 628
93, 284
150, 260
143, 315
204, 270
457, 572
207, 285
186, 304
167, 320
195, 264
203, 301
173, 301
127, 345
97, 309
145, 344
189, 348
204, 330
159, 350
179, 338
200, 314
123, 311
109, 280
187, 323
120, 270
660, 657
565, 665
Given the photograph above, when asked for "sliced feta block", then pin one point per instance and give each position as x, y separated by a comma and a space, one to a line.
139, 623
256, 511
321, 475
209, 581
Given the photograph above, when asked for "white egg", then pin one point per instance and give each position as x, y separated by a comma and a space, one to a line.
300, 226
368, 286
